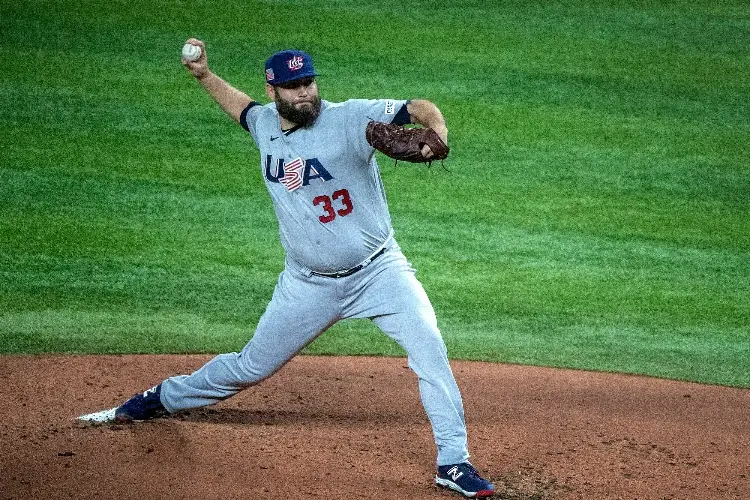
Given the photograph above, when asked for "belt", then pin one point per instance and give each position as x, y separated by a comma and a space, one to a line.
349, 272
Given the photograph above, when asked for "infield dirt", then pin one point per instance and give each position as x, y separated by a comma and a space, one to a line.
341, 427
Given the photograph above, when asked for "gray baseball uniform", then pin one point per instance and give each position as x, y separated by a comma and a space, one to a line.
341, 262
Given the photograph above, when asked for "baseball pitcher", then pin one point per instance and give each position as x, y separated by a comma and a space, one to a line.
342, 260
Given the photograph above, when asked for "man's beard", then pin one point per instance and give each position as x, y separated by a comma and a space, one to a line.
302, 117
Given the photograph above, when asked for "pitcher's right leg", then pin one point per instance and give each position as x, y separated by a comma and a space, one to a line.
300, 310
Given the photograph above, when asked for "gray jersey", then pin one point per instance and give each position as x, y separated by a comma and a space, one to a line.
325, 183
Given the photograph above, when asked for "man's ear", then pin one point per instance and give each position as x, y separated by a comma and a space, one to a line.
269, 92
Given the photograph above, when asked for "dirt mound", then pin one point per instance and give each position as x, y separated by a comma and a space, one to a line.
340, 427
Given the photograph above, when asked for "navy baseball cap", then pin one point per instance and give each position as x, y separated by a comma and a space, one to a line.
289, 65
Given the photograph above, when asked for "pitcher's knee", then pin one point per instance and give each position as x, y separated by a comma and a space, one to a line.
254, 367
428, 337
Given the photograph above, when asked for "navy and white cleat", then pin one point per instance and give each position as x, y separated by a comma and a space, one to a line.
144, 406
464, 479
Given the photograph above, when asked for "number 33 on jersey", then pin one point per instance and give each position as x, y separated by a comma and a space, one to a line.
331, 211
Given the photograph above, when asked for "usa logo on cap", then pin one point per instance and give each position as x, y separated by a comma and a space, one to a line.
295, 63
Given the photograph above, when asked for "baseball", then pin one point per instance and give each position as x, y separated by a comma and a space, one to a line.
191, 52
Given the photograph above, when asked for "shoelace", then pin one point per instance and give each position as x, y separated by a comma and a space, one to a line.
472, 471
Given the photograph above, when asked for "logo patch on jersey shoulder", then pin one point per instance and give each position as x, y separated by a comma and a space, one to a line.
390, 107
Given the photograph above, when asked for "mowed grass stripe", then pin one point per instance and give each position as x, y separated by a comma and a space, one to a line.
594, 215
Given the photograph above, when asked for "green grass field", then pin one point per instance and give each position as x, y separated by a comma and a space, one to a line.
596, 214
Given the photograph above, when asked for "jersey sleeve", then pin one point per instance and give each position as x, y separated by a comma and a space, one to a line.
402, 117
362, 111
249, 117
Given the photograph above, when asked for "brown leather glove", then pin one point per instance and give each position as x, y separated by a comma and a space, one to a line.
405, 143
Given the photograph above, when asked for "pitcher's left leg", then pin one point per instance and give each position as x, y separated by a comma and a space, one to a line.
417, 333
396, 301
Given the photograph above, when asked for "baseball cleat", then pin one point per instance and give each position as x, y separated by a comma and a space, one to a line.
99, 417
143, 406
464, 479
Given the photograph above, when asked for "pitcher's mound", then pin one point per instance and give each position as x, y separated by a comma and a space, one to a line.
339, 427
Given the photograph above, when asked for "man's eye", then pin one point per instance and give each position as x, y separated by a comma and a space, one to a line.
305, 82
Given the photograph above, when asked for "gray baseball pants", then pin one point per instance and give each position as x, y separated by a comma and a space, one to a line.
304, 306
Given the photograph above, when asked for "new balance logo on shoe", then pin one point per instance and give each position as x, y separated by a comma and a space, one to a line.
454, 473
149, 391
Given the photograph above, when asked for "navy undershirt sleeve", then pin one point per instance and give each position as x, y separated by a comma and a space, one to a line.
243, 115
402, 117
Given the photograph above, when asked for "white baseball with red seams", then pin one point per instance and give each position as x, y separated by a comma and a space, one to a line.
191, 52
